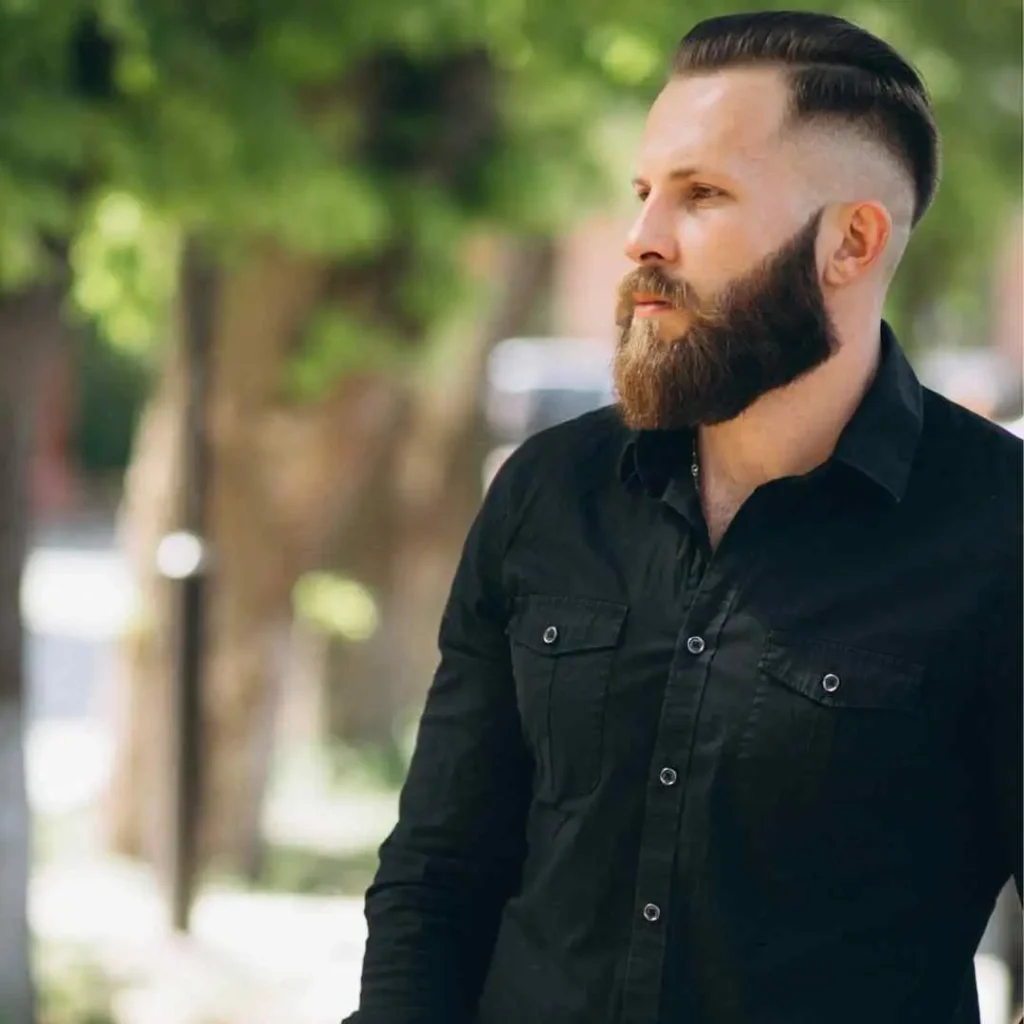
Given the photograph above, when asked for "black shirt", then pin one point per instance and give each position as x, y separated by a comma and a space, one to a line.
777, 784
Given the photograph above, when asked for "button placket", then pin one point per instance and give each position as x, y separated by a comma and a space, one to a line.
662, 864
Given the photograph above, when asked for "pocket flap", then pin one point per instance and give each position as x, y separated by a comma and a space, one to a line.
563, 625
839, 676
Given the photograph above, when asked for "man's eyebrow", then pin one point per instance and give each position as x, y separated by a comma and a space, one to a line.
678, 174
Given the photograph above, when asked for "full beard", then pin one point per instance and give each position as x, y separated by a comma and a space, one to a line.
766, 330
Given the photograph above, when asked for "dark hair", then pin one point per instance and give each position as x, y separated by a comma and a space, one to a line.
837, 71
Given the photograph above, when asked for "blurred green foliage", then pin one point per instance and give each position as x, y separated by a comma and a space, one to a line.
73, 988
377, 131
125, 259
336, 605
316, 872
112, 385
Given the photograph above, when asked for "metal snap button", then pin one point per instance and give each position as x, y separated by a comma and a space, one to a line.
550, 634
695, 645
830, 683
668, 776
652, 912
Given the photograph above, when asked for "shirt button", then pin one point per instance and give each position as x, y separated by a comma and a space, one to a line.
550, 634
652, 912
668, 776
830, 683
695, 645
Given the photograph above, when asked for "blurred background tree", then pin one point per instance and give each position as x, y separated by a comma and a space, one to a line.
378, 183
377, 187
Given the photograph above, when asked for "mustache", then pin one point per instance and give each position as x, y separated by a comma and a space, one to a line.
652, 280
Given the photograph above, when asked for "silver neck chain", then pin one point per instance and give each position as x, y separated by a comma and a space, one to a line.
695, 464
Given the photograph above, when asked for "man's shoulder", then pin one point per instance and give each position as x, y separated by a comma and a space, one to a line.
953, 429
580, 454
971, 462
588, 431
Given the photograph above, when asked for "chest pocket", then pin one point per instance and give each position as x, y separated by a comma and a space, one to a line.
830, 722
562, 651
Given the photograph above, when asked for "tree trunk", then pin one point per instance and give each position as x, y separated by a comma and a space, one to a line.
29, 328
412, 520
364, 554
281, 480
278, 476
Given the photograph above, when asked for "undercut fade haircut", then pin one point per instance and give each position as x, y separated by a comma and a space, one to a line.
836, 71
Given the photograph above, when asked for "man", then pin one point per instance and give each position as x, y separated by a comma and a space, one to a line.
727, 725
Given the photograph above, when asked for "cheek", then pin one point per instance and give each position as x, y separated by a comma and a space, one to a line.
716, 247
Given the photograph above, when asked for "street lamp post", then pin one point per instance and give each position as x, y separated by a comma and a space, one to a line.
183, 556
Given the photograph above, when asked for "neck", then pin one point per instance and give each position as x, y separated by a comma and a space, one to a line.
791, 431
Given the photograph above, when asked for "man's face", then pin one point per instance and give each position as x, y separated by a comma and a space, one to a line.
726, 302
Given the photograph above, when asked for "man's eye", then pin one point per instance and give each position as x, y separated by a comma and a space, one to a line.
700, 193
642, 194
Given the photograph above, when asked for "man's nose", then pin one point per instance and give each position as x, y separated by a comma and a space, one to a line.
652, 237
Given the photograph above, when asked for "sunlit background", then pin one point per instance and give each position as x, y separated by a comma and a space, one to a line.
282, 286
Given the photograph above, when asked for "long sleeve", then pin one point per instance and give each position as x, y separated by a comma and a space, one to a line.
455, 856
1000, 741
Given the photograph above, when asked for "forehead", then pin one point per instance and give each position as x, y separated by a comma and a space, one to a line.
725, 120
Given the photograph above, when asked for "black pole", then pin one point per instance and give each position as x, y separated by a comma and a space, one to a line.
186, 557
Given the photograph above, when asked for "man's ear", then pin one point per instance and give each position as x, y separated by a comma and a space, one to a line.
861, 233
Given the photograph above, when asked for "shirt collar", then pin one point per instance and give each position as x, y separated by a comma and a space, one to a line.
879, 441
653, 457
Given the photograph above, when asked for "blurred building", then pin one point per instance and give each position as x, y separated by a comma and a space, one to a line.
590, 265
1008, 323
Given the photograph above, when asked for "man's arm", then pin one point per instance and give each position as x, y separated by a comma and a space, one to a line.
455, 855
1000, 741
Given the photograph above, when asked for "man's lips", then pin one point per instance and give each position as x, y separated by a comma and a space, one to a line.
646, 304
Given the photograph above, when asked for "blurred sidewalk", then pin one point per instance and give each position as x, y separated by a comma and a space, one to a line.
253, 957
